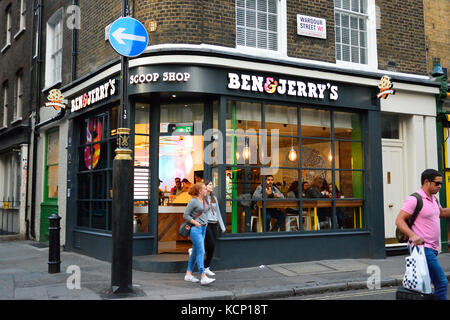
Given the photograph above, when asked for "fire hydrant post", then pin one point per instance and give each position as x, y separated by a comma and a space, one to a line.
54, 261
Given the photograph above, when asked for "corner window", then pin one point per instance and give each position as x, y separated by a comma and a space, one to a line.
53, 57
259, 24
355, 31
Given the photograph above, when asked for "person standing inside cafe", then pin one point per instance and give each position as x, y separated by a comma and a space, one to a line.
271, 193
177, 189
426, 229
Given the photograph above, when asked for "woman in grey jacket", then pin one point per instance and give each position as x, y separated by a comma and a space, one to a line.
214, 217
196, 214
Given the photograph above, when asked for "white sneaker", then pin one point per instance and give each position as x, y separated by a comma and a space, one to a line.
209, 272
191, 278
190, 251
205, 281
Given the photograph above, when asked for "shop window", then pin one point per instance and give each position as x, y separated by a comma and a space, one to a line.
51, 165
317, 168
141, 167
97, 142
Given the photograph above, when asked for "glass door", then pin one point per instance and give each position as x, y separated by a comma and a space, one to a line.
180, 166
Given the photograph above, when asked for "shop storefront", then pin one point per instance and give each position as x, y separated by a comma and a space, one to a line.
236, 123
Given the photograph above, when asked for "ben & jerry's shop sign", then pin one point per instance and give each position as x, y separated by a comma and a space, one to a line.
95, 95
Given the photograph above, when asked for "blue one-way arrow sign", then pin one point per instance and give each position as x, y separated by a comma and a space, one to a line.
128, 37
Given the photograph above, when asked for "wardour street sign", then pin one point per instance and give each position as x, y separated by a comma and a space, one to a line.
128, 37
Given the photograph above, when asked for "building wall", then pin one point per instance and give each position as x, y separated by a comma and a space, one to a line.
213, 22
401, 36
437, 29
15, 57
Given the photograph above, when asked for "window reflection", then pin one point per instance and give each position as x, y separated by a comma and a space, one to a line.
327, 158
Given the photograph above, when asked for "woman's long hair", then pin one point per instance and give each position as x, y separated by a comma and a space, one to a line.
213, 198
194, 190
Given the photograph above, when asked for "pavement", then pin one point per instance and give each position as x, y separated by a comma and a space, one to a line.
24, 276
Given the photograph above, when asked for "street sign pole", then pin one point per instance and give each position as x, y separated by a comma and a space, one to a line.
122, 203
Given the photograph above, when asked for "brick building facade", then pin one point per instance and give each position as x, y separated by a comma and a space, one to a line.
210, 58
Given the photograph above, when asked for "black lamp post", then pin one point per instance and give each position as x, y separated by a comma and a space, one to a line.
122, 202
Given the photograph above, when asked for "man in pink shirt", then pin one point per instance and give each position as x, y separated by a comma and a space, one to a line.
426, 228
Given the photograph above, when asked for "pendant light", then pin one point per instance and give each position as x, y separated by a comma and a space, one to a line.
246, 150
292, 156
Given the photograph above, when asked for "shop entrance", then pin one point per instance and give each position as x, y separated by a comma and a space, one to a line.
180, 166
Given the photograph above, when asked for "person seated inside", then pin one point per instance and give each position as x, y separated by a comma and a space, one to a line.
305, 186
177, 189
272, 192
315, 191
160, 194
186, 185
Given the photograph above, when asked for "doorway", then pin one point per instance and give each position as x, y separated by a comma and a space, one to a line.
180, 166
393, 187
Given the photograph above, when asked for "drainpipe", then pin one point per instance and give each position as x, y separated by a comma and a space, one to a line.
30, 122
74, 47
37, 118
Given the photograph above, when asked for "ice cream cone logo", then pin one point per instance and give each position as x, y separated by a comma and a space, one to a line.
385, 86
55, 99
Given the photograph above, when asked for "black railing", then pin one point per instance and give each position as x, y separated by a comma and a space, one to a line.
9, 217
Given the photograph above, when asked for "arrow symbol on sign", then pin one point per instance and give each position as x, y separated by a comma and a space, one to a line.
120, 36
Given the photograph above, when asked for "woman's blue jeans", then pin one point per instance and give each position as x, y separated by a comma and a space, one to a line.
197, 235
437, 274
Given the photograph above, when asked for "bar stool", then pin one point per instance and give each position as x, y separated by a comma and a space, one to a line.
289, 219
254, 218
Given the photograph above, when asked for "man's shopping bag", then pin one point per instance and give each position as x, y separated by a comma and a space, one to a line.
417, 277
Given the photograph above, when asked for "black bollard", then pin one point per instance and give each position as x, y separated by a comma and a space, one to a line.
54, 261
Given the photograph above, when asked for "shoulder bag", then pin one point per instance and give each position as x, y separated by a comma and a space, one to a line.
185, 227
401, 237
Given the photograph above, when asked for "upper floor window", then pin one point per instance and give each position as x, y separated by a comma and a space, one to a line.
54, 49
355, 31
258, 24
18, 97
22, 15
5, 105
8, 28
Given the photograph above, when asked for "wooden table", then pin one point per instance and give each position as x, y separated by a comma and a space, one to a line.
312, 204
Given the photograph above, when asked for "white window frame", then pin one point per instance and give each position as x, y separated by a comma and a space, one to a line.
22, 18
18, 97
281, 35
372, 56
53, 56
8, 29
5, 106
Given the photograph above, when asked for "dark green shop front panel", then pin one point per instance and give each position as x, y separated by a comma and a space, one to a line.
242, 253
99, 245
